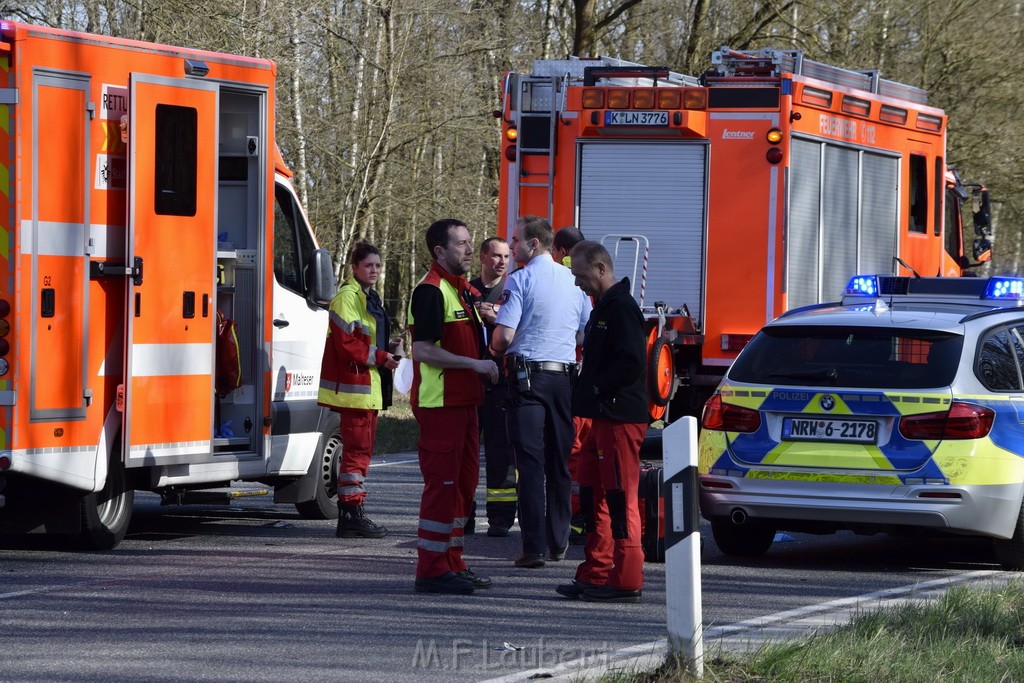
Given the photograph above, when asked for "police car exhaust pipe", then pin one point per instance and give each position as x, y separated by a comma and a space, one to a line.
738, 516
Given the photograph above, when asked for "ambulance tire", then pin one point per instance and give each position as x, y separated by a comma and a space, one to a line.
324, 468
660, 373
106, 514
1009, 552
742, 540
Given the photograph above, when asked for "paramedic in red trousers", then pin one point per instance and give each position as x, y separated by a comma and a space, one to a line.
356, 382
612, 390
539, 324
499, 470
447, 388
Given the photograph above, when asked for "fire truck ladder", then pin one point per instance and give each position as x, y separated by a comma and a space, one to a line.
537, 103
769, 63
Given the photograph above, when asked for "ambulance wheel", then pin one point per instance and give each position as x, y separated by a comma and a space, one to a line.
106, 513
742, 540
1009, 552
324, 468
660, 373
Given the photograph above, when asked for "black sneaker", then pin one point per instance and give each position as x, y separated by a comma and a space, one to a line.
497, 531
446, 583
478, 580
609, 594
575, 589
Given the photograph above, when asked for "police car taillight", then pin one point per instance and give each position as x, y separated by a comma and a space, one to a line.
962, 421
724, 417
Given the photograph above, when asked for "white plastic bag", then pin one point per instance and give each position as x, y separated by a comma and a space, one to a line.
403, 376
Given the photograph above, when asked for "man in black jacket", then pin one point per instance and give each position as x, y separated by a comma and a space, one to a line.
612, 390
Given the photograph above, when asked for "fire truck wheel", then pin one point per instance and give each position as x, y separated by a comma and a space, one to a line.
106, 513
742, 540
1009, 552
324, 468
660, 373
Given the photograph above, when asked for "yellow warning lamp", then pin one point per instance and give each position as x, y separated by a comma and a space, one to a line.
670, 99
774, 136
511, 134
643, 99
695, 98
618, 99
593, 98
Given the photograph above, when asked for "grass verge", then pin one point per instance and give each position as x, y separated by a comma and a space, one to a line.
397, 430
968, 635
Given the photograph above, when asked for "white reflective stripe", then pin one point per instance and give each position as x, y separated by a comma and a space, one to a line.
457, 542
351, 476
371, 355
168, 360
432, 546
435, 527
167, 449
66, 239
349, 490
54, 239
459, 521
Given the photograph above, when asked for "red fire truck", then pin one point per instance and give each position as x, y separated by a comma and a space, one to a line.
729, 198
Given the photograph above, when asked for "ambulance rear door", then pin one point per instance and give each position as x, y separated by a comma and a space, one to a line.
169, 364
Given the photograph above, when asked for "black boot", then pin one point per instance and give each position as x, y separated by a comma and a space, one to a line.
353, 523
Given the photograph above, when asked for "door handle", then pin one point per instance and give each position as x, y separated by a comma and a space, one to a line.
280, 323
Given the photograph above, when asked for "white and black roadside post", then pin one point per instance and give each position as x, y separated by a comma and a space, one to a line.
682, 543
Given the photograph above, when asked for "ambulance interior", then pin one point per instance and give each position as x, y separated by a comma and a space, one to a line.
240, 234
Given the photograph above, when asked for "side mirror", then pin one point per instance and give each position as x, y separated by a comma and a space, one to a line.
320, 286
982, 208
982, 250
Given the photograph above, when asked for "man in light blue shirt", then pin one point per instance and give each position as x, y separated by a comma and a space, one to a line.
539, 324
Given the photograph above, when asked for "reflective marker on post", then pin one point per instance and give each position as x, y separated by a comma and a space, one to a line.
682, 543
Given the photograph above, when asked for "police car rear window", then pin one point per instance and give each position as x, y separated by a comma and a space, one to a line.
849, 357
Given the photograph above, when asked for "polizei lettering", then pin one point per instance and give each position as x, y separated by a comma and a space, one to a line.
791, 395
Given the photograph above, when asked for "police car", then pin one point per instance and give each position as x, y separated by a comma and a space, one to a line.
899, 409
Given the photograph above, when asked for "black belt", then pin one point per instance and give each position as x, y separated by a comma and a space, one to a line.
548, 366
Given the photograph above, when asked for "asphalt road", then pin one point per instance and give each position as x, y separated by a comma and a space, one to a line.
253, 592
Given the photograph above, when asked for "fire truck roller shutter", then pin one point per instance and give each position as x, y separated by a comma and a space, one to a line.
657, 189
853, 230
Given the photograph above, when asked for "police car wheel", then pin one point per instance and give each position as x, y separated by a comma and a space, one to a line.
106, 514
1010, 552
742, 540
324, 470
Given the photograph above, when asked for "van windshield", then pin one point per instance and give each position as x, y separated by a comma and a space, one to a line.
862, 357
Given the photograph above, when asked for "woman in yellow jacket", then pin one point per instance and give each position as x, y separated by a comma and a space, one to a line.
356, 382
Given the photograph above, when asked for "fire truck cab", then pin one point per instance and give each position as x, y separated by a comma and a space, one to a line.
762, 185
161, 292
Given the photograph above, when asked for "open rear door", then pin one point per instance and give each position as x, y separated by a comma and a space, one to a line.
169, 364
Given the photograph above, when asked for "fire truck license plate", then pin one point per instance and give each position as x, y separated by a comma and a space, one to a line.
852, 431
636, 118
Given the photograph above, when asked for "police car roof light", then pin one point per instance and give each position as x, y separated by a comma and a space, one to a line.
1005, 288
862, 285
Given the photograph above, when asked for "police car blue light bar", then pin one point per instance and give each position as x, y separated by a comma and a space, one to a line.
1006, 288
862, 285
